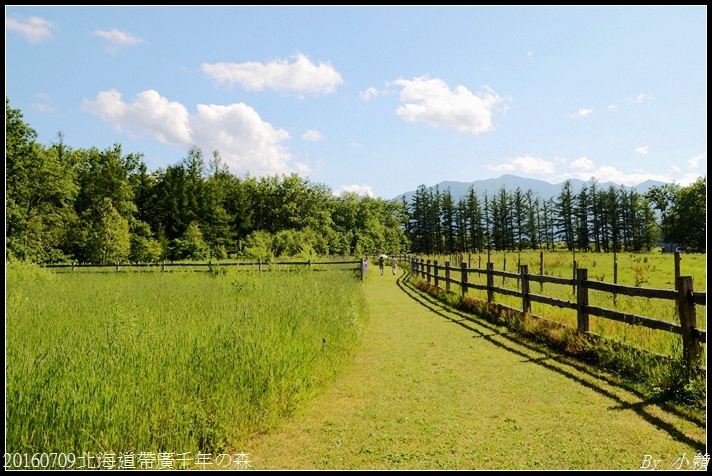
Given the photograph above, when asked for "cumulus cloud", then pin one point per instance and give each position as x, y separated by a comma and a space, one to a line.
361, 190
694, 162
312, 136
609, 173
433, 102
116, 38
302, 75
166, 121
524, 165
34, 29
642, 150
372, 93
580, 113
582, 163
688, 179
244, 140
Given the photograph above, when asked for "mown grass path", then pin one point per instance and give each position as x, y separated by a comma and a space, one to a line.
429, 389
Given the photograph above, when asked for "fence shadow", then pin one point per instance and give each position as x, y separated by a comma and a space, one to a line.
471, 323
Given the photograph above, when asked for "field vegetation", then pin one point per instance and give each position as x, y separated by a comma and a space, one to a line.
650, 358
184, 361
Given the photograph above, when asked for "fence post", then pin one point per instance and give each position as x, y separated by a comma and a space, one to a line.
163, 266
309, 264
435, 272
541, 271
490, 282
259, 265
574, 278
117, 266
427, 275
447, 276
364, 261
677, 268
582, 299
526, 303
504, 267
688, 323
74, 263
463, 271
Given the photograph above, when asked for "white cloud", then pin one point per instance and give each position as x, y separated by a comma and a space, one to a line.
355, 145
302, 75
688, 179
524, 165
167, 122
372, 93
312, 136
244, 140
362, 190
694, 162
42, 107
116, 38
44, 103
642, 150
608, 173
583, 163
640, 98
580, 113
432, 101
34, 29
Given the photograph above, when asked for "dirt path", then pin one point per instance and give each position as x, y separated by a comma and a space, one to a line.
429, 389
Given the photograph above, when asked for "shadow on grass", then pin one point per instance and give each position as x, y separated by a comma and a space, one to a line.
467, 321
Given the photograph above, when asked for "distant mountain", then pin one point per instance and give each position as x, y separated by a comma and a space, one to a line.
542, 189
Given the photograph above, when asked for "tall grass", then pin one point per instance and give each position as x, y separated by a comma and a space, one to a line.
650, 270
178, 362
632, 351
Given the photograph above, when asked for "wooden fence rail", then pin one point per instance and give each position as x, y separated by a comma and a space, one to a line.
362, 265
683, 295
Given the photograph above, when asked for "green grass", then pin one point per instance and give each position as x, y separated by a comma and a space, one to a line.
434, 388
182, 362
650, 270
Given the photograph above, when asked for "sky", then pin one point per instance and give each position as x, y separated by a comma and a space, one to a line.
373, 100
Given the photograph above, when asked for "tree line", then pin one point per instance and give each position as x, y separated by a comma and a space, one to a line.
102, 206
611, 219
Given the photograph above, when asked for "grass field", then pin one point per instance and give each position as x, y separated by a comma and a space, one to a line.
432, 388
650, 270
217, 362
180, 362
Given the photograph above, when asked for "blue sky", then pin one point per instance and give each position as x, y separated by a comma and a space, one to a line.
377, 100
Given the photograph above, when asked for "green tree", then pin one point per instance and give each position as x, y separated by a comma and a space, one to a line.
39, 194
106, 237
690, 216
190, 246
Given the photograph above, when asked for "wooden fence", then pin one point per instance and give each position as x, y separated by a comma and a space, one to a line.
259, 265
683, 295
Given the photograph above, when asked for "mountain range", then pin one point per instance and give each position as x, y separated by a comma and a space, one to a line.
544, 190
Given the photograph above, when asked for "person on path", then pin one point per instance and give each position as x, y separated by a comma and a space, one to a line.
380, 264
394, 265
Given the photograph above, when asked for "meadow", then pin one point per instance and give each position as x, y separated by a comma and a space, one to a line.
184, 362
649, 270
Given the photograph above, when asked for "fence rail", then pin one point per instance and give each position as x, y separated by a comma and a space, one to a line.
684, 297
362, 265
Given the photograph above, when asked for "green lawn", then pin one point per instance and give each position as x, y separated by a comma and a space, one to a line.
430, 389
